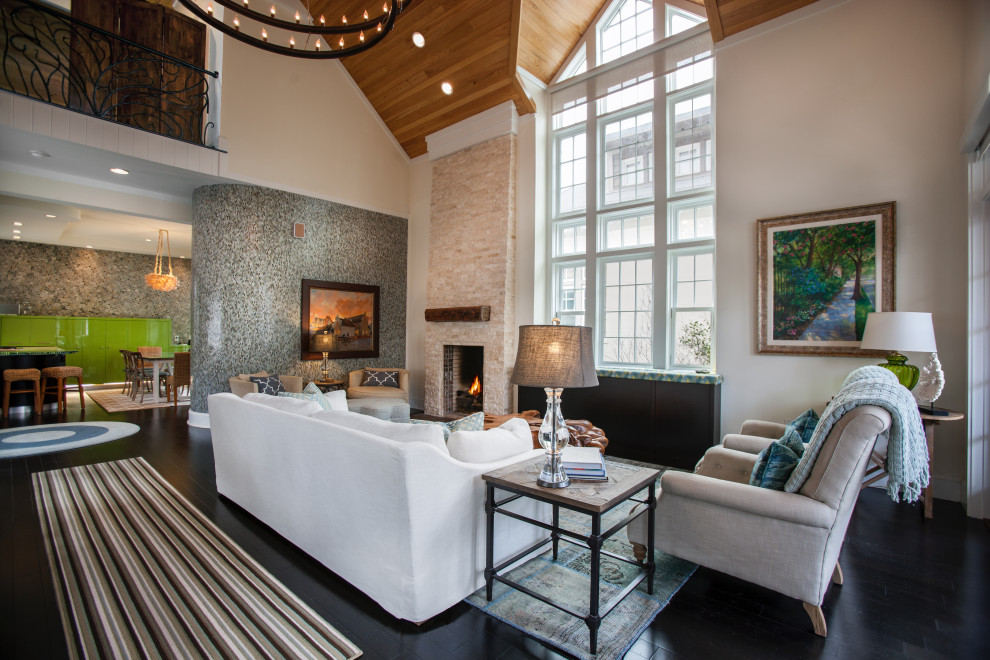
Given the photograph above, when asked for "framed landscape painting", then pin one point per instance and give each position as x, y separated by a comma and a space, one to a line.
820, 274
339, 318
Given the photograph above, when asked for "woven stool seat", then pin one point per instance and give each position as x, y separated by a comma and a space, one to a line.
61, 372
59, 387
10, 376
21, 374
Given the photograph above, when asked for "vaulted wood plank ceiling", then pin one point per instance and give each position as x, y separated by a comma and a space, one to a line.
476, 46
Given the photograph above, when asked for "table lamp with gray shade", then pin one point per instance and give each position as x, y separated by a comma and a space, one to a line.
900, 331
323, 343
554, 357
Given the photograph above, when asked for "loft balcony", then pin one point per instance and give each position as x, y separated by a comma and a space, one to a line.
111, 70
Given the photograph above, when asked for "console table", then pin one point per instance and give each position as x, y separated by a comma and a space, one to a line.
591, 498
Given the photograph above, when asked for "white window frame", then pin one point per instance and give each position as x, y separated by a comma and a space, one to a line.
558, 312
673, 308
602, 262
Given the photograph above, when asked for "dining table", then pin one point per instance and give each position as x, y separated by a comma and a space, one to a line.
156, 369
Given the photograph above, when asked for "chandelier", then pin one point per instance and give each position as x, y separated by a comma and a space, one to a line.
158, 280
297, 35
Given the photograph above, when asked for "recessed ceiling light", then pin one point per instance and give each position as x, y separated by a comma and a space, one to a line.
119, 170
447, 88
40, 154
18, 224
17, 238
17, 231
50, 215
90, 247
182, 256
147, 240
418, 40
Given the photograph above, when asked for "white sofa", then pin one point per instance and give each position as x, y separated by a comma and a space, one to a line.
401, 521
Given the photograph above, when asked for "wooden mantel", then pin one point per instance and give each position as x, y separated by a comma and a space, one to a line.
478, 313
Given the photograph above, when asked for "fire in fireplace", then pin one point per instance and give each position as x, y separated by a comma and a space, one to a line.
463, 379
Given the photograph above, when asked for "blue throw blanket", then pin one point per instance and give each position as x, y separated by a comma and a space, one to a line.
907, 451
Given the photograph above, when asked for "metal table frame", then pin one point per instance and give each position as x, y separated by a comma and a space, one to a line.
593, 542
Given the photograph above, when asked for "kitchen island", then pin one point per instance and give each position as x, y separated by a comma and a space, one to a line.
30, 357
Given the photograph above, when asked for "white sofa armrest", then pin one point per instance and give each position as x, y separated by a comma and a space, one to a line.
775, 504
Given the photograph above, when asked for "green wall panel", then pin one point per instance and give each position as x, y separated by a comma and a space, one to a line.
16, 331
43, 331
138, 331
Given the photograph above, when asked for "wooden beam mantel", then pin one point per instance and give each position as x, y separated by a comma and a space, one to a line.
479, 313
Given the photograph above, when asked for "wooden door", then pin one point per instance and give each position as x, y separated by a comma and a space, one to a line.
185, 90
89, 55
137, 74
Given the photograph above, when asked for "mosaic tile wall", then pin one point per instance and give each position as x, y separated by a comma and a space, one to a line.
248, 274
67, 281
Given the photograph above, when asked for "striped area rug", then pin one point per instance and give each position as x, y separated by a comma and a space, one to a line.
140, 572
113, 401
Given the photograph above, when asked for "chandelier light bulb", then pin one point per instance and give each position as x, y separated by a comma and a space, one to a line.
323, 21
297, 17
365, 14
379, 27
317, 44
245, 3
264, 35
341, 42
209, 9
361, 36
273, 11
343, 19
385, 7
292, 42
237, 23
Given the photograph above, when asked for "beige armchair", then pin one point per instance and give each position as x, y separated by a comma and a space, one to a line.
787, 542
241, 384
355, 390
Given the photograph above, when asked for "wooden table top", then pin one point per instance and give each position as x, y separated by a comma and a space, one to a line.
624, 480
942, 415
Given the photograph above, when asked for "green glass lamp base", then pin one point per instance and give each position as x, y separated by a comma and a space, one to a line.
906, 373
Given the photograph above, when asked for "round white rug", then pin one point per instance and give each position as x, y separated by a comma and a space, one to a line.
30, 440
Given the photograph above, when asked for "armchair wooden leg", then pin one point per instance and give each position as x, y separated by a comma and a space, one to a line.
817, 618
837, 575
639, 551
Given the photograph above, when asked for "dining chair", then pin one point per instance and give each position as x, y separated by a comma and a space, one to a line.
181, 376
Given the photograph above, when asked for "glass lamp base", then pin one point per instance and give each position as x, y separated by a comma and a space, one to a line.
553, 478
906, 373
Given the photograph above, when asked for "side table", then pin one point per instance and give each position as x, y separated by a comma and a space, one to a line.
930, 418
329, 385
591, 498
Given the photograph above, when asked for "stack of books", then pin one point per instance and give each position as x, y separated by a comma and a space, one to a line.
583, 464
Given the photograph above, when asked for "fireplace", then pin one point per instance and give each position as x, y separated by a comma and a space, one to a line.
463, 379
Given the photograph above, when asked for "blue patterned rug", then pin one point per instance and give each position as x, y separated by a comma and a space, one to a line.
566, 581
46, 438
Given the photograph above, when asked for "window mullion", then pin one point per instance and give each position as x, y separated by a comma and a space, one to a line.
661, 295
591, 312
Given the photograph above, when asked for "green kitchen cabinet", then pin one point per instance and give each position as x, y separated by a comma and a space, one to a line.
94, 365
93, 333
15, 331
137, 330
159, 332
44, 331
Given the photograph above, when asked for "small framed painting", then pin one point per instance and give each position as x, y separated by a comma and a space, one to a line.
820, 274
339, 319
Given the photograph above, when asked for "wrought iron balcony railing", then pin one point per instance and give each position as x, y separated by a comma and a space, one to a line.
49, 56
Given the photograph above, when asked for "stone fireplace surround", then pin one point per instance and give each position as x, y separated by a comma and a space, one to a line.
472, 262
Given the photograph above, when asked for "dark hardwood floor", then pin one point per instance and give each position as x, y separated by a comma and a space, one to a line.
913, 588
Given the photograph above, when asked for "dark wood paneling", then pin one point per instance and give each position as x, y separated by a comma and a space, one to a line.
184, 39
670, 424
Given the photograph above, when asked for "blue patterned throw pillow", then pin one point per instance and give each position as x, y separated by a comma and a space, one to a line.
380, 378
268, 384
775, 463
473, 422
310, 393
805, 424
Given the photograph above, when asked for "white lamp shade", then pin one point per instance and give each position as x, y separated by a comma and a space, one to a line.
899, 331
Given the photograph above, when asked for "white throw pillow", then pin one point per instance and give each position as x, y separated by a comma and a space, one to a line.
510, 439
288, 404
337, 399
431, 435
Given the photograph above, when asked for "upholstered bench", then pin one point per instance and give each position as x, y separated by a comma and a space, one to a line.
393, 410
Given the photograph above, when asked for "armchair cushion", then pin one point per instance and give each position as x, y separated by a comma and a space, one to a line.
268, 384
805, 424
380, 378
762, 429
472, 422
775, 463
357, 390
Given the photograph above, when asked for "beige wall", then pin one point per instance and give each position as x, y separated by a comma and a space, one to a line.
303, 126
859, 103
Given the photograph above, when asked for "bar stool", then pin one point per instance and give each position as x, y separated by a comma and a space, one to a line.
10, 376
61, 375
